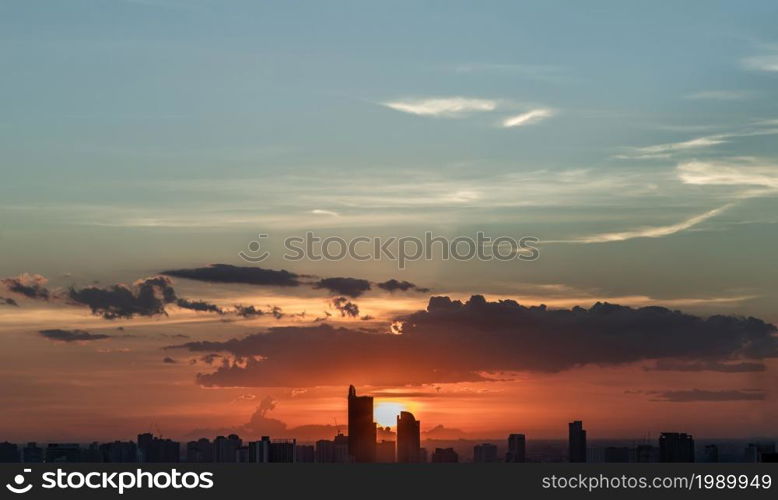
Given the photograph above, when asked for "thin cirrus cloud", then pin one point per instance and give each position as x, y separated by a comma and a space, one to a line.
719, 95
743, 173
768, 62
450, 107
648, 232
527, 118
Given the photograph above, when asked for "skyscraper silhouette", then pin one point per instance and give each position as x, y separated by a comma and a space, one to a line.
408, 438
517, 448
676, 447
577, 441
361, 427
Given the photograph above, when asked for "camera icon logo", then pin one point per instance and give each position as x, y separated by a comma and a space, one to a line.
18, 482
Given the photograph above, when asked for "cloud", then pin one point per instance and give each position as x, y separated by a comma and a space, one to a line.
199, 305
719, 173
452, 341
767, 62
32, 286
345, 307
72, 335
319, 211
352, 287
450, 107
248, 311
169, 360
7, 301
225, 273
393, 285
704, 366
527, 118
719, 95
648, 232
698, 396
147, 297
667, 150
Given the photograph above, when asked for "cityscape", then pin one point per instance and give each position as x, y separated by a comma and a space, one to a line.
361, 445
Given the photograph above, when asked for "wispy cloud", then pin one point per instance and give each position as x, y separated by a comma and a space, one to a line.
666, 150
767, 62
527, 118
319, 211
746, 172
720, 95
450, 107
649, 232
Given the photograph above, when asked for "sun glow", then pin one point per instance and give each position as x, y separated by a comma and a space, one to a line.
386, 413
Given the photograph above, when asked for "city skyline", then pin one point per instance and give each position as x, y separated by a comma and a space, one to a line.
361, 445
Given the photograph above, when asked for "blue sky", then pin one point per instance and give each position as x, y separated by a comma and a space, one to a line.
146, 127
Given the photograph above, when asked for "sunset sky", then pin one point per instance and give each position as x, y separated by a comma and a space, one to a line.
146, 143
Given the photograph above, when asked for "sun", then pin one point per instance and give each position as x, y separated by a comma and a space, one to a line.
385, 413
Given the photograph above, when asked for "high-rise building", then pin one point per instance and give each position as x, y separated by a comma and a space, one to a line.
577, 442
32, 453
63, 452
676, 447
517, 448
361, 427
200, 451
445, 456
283, 451
646, 453
119, 452
617, 454
711, 453
485, 453
9, 452
259, 451
157, 450
384, 452
304, 453
408, 438
225, 449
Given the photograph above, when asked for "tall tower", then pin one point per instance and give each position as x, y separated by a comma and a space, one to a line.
361, 427
408, 438
517, 448
577, 441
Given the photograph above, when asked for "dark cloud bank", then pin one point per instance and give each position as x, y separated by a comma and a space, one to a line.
72, 335
224, 273
32, 286
453, 341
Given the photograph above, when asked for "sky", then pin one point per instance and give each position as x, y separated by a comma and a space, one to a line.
146, 140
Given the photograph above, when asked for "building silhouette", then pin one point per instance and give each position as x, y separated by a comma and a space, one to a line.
408, 438
152, 449
304, 453
200, 451
361, 427
617, 454
577, 442
32, 453
646, 453
118, 452
332, 451
755, 451
283, 451
484, 453
676, 447
385, 453
445, 456
259, 451
225, 449
9, 452
63, 452
711, 453
517, 448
